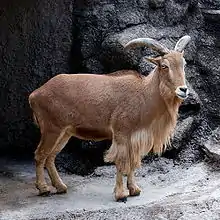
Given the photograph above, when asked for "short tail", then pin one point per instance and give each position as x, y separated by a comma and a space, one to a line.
35, 120
30, 100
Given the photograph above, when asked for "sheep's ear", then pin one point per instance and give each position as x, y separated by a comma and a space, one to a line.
155, 61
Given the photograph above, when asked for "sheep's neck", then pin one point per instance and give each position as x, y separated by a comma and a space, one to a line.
160, 104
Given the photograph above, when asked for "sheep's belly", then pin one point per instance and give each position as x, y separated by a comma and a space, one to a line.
91, 134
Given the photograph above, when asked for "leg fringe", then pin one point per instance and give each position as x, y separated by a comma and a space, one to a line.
120, 155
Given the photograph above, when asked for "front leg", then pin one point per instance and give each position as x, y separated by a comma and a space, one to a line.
121, 193
134, 190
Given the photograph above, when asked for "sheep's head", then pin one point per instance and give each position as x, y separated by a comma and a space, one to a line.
171, 73
170, 64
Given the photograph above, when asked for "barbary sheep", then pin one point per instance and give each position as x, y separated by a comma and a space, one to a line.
138, 113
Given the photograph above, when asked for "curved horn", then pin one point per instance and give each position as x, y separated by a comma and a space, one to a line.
148, 42
182, 42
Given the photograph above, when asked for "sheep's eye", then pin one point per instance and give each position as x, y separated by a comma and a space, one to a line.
164, 66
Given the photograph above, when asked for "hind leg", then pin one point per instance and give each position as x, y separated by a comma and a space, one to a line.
50, 164
134, 190
43, 150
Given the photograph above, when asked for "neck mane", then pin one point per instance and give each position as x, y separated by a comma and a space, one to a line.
156, 134
158, 121
162, 127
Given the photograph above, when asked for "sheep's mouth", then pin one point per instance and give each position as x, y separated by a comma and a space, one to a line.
182, 96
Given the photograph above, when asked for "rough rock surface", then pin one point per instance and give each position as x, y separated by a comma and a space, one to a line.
105, 26
43, 38
35, 44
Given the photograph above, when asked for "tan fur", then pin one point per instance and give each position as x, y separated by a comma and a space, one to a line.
156, 137
137, 113
153, 136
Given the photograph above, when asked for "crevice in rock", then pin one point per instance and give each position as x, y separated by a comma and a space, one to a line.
75, 59
189, 109
173, 152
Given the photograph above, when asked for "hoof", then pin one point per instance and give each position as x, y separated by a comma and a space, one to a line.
134, 191
121, 196
124, 199
45, 193
43, 190
61, 189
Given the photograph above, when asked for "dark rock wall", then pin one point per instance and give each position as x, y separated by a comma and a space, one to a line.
43, 38
35, 44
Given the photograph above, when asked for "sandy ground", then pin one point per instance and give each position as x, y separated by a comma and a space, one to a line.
169, 192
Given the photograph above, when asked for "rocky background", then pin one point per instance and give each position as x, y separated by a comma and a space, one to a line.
39, 39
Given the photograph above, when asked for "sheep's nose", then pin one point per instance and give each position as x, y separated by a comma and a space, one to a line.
183, 89
182, 92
